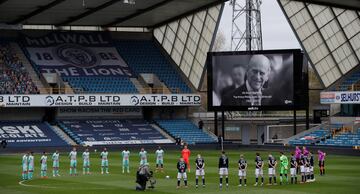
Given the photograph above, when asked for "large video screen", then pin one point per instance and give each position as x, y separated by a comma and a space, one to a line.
255, 80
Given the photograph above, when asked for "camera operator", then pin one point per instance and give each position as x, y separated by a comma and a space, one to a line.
142, 176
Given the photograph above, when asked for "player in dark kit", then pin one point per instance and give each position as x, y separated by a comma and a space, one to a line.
181, 166
224, 169
303, 164
200, 171
272, 169
242, 170
293, 167
259, 169
311, 167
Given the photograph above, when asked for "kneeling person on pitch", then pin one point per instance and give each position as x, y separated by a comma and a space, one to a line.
142, 176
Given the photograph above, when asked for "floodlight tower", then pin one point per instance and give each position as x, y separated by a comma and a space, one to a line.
246, 25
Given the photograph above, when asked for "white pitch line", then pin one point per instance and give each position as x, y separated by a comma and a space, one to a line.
47, 187
37, 186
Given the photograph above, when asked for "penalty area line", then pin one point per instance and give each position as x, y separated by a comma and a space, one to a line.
22, 183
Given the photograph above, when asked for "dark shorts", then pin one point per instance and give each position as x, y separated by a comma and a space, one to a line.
321, 163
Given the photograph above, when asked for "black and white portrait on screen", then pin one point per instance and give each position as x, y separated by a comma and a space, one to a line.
252, 80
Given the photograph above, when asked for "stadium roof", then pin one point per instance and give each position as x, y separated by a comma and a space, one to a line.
346, 4
106, 13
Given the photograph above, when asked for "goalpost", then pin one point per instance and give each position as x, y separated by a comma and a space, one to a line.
278, 133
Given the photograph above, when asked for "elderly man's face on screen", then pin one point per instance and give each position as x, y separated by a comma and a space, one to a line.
258, 71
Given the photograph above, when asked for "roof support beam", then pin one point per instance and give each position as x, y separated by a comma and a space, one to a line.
217, 2
87, 13
37, 11
137, 13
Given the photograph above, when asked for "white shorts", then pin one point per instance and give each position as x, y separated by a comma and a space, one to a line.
200, 172
258, 171
271, 171
223, 172
242, 173
181, 175
302, 169
307, 169
293, 171
311, 168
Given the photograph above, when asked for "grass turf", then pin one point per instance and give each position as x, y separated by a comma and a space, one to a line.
342, 176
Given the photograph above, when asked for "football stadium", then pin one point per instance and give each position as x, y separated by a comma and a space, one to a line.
127, 96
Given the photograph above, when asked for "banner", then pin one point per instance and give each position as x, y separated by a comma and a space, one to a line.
123, 112
27, 134
108, 132
73, 100
76, 54
345, 97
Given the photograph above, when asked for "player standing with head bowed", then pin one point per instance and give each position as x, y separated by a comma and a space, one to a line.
298, 157
303, 163
86, 161
185, 153
104, 161
31, 165
143, 156
56, 163
311, 167
43, 162
272, 169
200, 170
284, 165
293, 167
259, 164
73, 162
125, 160
321, 158
224, 169
24, 165
181, 166
159, 159
242, 170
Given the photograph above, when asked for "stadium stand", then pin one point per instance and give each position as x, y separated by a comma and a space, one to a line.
312, 137
29, 134
343, 139
102, 132
143, 56
327, 137
186, 130
348, 82
13, 76
102, 84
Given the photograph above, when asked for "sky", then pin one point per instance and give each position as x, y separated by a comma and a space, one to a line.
276, 31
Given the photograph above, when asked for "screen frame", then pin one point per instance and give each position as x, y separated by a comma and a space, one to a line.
300, 89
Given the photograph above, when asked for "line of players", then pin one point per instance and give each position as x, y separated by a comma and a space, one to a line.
302, 161
28, 162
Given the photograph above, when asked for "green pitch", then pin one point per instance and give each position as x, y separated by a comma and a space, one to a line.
342, 176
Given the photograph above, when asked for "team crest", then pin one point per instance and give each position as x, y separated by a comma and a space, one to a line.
76, 55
